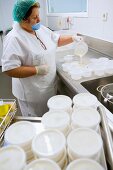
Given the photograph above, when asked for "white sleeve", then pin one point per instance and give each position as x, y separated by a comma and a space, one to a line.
54, 36
11, 52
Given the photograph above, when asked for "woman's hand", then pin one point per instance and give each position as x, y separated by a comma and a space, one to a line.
77, 38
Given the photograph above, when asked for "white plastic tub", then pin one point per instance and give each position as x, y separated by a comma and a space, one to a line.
56, 120
84, 164
86, 118
42, 164
84, 143
60, 103
12, 157
49, 144
84, 100
20, 133
76, 74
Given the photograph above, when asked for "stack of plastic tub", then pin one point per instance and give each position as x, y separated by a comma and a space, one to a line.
82, 164
84, 100
87, 72
12, 157
42, 164
84, 143
58, 120
76, 74
51, 144
21, 133
85, 118
99, 65
60, 103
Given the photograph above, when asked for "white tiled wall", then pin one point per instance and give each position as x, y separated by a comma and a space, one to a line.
94, 25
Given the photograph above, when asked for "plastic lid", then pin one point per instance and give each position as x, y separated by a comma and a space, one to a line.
42, 164
59, 102
56, 119
12, 157
49, 143
20, 133
87, 117
84, 99
84, 142
84, 164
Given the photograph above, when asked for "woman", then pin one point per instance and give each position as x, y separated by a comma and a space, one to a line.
29, 58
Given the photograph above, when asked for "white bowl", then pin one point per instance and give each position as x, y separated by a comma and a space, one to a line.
56, 120
42, 164
12, 157
84, 100
59, 102
49, 144
82, 164
20, 133
86, 118
84, 143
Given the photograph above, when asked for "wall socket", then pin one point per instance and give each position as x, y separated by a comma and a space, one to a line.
104, 16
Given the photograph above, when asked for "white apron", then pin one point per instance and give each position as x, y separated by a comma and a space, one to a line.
22, 48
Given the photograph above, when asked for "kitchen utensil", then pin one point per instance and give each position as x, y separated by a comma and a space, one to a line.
107, 94
81, 49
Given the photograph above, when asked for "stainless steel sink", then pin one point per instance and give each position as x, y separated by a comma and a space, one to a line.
92, 85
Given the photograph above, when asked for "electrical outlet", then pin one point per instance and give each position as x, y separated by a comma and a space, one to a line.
104, 16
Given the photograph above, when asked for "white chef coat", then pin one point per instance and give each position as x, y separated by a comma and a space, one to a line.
24, 49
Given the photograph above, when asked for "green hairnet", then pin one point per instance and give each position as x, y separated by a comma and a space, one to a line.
21, 7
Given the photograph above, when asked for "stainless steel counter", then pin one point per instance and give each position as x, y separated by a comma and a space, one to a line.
75, 85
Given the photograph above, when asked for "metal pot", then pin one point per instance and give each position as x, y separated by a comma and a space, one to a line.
107, 95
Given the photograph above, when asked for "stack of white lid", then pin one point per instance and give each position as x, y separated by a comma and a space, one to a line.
42, 164
85, 118
58, 120
21, 133
60, 103
82, 164
51, 144
84, 100
12, 157
84, 143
